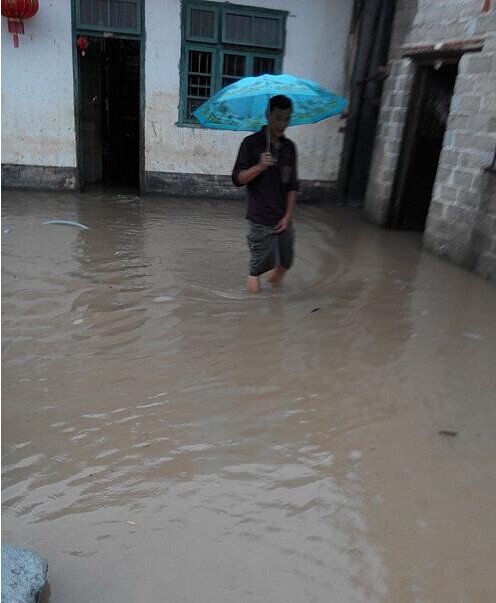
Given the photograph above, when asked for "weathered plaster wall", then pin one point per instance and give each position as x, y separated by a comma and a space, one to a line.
315, 48
38, 125
462, 218
38, 90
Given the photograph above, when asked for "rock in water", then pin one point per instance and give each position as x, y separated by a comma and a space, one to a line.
24, 575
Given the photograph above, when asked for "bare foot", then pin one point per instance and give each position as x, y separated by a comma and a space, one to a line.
275, 276
253, 284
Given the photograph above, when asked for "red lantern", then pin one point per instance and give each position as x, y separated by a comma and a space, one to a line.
83, 44
16, 11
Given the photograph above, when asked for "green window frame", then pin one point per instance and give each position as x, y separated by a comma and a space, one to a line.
200, 73
107, 26
231, 57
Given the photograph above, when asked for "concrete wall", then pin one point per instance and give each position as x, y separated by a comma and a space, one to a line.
315, 48
38, 90
462, 218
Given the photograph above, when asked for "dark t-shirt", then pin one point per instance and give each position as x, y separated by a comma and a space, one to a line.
267, 193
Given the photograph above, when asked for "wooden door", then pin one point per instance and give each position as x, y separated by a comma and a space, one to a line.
91, 112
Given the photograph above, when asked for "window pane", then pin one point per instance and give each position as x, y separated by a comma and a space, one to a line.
234, 68
193, 103
200, 62
266, 31
199, 80
123, 14
263, 65
199, 85
94, 12
234, 64
202, 23
238, 27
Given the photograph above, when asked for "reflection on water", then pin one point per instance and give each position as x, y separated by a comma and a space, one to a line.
165, 433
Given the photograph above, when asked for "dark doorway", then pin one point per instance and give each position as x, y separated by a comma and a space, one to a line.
422, 143
110, 113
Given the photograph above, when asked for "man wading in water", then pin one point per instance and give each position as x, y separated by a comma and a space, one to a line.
267, 165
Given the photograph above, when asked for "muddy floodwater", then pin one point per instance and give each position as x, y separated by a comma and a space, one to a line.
168, 438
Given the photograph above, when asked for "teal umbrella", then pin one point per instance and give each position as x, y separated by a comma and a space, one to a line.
242, 106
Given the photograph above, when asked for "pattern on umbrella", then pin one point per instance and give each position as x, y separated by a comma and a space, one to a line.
242, 105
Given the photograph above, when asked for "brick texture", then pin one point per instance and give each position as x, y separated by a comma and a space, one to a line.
461, 224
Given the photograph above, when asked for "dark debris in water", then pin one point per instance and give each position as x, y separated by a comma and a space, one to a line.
448, 432
314, 310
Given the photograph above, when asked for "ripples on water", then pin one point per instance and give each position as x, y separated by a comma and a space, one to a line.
163, 432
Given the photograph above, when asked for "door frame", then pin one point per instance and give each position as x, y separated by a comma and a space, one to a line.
76, 58
411, 133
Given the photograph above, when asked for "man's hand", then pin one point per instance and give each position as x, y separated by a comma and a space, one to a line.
246, 176
283, 224
266, 160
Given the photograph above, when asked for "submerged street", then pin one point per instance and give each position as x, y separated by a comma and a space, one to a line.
168, 437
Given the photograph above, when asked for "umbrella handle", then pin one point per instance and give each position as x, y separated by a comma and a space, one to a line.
267, 150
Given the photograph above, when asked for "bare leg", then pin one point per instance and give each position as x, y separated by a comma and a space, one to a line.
253, 284
275, 276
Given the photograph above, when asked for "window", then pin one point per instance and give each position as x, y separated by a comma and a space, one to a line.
222, 43
109, 15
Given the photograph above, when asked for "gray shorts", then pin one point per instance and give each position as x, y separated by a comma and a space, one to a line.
269, 249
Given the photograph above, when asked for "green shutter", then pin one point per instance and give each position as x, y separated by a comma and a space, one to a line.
202, 23
250, 28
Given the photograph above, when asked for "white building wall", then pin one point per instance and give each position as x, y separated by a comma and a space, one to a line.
315, 48
38, 125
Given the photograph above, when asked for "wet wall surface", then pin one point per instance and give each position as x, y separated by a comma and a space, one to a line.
168, 437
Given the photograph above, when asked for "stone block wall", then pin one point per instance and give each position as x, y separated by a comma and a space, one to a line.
461, 224
394, 106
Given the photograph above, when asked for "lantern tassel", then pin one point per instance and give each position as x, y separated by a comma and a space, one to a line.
16, 27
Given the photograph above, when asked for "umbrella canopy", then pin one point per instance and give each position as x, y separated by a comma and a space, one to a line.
243, 105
